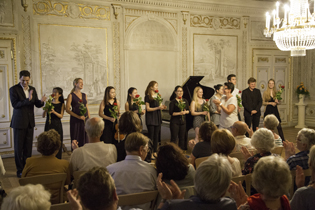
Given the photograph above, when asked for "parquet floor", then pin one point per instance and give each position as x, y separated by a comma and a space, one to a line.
9, 180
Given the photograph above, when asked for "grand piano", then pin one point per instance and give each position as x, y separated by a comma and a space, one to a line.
188, 87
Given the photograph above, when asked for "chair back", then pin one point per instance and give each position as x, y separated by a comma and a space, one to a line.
61, 206
198, 161
240, 157
277, 150
243, 178
138, 198
76, 176
307, 172
46, 180
190, 190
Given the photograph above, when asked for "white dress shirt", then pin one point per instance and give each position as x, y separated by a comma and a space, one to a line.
235, 92
91, 155
242, 141
26, 91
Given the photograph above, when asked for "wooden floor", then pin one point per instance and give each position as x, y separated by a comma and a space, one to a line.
9, 180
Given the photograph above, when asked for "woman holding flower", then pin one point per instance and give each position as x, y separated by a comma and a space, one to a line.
197, 110
109, 111
56, 114
153, 116
78, 109
134, 102
271, 101
215, 115
178, 109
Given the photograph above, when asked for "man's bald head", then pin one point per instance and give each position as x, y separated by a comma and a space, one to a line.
94, 127
240, 128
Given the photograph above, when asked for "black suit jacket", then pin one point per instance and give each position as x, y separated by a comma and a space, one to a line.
251, 103
23, 112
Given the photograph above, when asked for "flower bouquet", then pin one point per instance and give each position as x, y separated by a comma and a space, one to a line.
139, 102
158, 97
279, 92
82, 108
239, 99
300, 89
49, 106
181, 105
114, 111
206, 107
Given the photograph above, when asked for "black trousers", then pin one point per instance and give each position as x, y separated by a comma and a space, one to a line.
178, 130
23, 141
280, 132
252, 120
154, 135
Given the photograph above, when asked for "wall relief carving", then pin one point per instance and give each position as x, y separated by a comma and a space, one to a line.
69, 9
6, 13
184, 54
27, 42
214, 22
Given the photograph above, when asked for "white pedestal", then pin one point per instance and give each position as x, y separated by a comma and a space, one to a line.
301, 113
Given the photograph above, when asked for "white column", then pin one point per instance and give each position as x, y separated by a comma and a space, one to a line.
301, 113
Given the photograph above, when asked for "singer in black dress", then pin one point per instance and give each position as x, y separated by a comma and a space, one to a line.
178, 119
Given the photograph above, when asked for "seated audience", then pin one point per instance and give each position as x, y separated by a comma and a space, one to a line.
263, 141
272, 179
203, 148
28, 197
212, 180
304, 141
173, 164
304, 197
223, 142
271, 123
94, 153
239, 130
129, 122
134, 175
48, 144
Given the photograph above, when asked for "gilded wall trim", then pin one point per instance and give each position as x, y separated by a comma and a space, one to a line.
206, 21
116, 56
184, 54
69, 9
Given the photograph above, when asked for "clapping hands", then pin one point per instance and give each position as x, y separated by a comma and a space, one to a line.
169, 191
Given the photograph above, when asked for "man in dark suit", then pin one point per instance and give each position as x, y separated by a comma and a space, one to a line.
252, 102
23, 98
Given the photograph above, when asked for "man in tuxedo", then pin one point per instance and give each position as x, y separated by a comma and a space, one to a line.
252, 102
23, 98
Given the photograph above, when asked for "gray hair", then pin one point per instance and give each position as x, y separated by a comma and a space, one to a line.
271, 122
28, 197
94, 127
307, 136
263, 140
271, 176
213, 178
311, 158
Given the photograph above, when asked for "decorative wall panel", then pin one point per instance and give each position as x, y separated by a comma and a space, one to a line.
214, 22
6, 13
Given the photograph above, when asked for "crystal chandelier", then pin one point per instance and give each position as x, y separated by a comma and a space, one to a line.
297, 31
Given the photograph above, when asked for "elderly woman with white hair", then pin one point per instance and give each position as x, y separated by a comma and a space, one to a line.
272, 179
212, 180
271, 123
28, 197
304, 197
263, 141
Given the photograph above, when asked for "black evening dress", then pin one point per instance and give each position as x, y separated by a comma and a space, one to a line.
108, 135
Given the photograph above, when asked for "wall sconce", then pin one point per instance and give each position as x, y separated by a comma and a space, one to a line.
24, 5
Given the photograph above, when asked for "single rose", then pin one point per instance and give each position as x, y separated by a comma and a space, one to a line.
115, 104
52, 95
137, 96
179, 97
156, 91
282, 86
239, 91
80, 101
207, 100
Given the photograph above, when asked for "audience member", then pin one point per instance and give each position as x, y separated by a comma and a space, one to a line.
203, 148
129, 122
212, 180
173, 164
303, 198
94, 153
271, 123
263, 141
28, 197
304, 141
239, 130
48, 144
223, 142
134, 175
272, 179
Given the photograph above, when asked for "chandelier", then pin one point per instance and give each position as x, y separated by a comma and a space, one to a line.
296, 31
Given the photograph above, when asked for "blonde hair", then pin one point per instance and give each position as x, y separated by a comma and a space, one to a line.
195, 97
266, 95
311, 159
75, 81
149, 89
